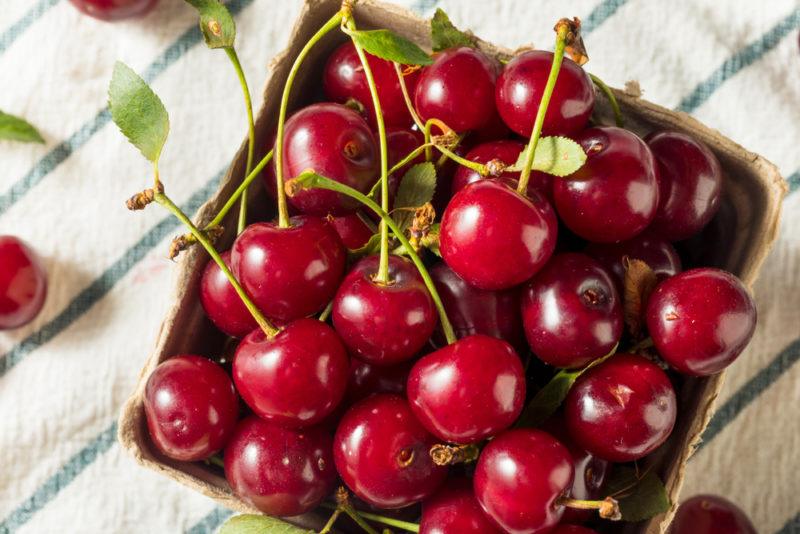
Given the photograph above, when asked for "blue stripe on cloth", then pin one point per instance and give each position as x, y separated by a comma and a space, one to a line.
211, 521
27, 20
63, 150
600, 14
793, 181
792, 526
745, 57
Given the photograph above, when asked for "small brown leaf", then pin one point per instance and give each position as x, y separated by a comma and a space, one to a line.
640, 280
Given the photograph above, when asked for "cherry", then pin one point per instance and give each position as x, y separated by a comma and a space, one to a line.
367, 379
400, 142
352, 230
454, 510
519, 478
111, 10
521, 84
279, 471
614, 196
622, 409
221, 302
294, 379
23, 283
571, 311
710, 514
289, 272
494, 238
701, 320
335, 142
494, 130
690, 185
191, 407
344, 79
458, 89
382, 453
384, 323
469, 390
657, 253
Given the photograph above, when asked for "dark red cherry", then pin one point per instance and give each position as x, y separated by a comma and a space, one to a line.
572, 529
701, 320
384, 323
494, 130
521, 84
400, 142
571, 311
295, 379
469, 390
520, 476
367, 379
690, 185
111, 10
352, 230
454, 510
23, 283
710, 514
279, 471
458, 89
336, 142
614, 196
221, 302
494, 238
382, 453
289, 272
622, 409
657, 253
344, 79
191, 407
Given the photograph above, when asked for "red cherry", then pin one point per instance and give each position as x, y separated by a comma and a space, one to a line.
494, 130
622, 409
384, 323
454, 510
281, 472
191, 407
111, 10
494, 238
400, 142
458, 89
336, 142
221, 302
690, 185
352, 230
519, 478
382, 453
614, 195
701, 320
289, 272
295, 379
519, 91
571, 311
710, 514
657, 253
23, 283
367, 379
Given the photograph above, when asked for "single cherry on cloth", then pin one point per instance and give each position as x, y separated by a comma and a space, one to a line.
23, 283
571, 311
519, 478
701, 320
191, 407
710, 514
111, 10
494, 238
352, 230
468, 390
458, 89
382, 453
454, 510
690, 184
614, 196
294, 379
221, 302
281, 472
519, 91
367, 379
336, 142
384, 323
657, 253
622, 409
289, 272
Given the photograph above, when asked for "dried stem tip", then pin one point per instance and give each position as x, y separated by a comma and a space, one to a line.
454, 454
183, 242
574, 42
139, 201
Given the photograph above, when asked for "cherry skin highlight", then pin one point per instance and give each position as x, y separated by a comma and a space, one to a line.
454, 510
191, 407
657, 253
221, 302
111, 10
23, 283
710, 514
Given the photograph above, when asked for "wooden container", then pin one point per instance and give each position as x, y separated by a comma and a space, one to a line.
753, 190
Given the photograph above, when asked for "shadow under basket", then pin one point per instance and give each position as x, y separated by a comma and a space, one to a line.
738, 241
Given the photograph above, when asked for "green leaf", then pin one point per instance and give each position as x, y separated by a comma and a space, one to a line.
444, 35
216, 23
416, 188
16, 129
259, 524
558, 156
138, 112
390, 46
640, 497
372, 246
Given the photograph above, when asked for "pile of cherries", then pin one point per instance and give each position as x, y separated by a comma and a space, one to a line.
532, 283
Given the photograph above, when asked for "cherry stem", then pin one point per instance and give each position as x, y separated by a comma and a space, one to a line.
220, 216
389, 521
611, 99
608, 508
329, 525
326, 312
562, 30
443, 454
407, 98
311, 180
216, 460
481, 169
283, 210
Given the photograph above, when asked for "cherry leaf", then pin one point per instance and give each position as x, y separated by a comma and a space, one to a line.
17, 129
444, 35
390, 46
216, 23
639, 282
259, 524
416, 189
554, 155
372, 246
640, 496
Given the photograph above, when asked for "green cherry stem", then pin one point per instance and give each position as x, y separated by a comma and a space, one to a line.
480, 168
410, 105
331, 520
220, 216
326, 312
611, 99
389, 521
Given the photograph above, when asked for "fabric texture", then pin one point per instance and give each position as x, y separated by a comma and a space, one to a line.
735, 65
